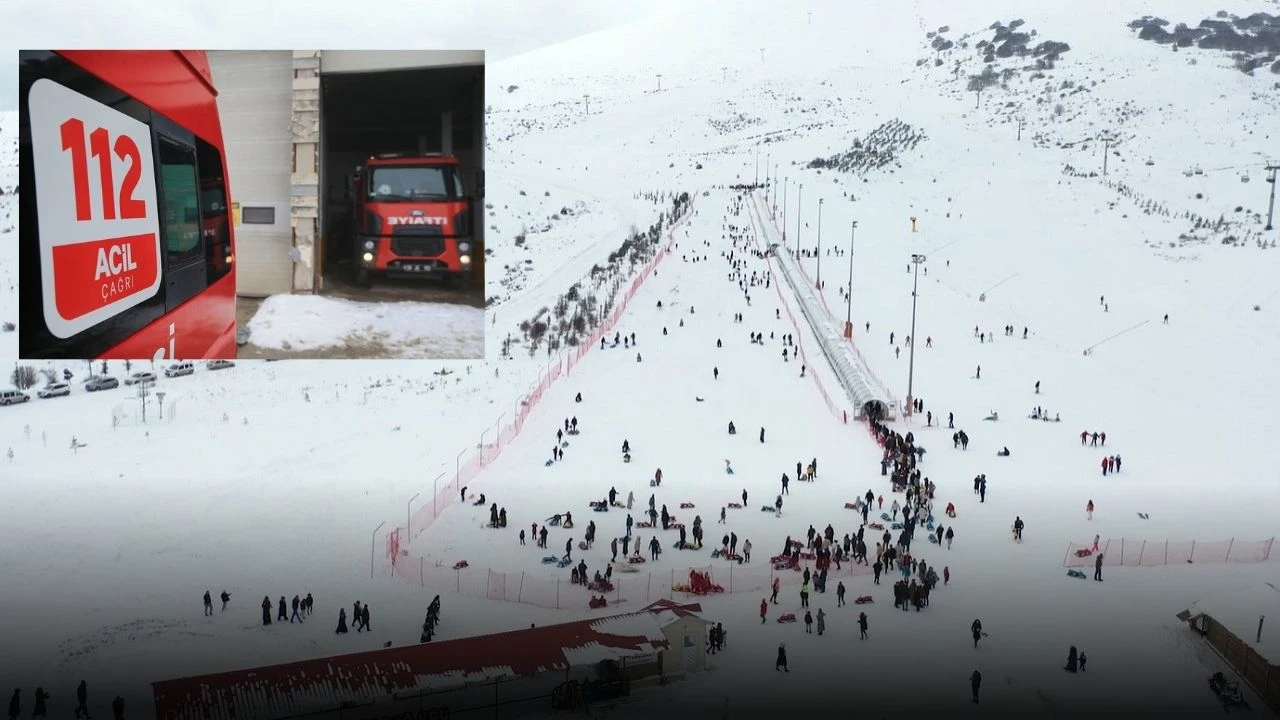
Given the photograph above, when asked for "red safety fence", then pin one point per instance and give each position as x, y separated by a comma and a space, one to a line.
840, 413
485, 452
1154, 553
633, 588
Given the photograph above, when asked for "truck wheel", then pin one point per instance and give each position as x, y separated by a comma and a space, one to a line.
363, 278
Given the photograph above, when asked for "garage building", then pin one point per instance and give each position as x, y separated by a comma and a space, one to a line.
297, 123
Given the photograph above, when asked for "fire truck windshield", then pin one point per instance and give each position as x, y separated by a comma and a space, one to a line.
409, 183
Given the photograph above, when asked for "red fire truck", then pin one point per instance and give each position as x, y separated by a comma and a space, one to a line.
412, 217
127, 249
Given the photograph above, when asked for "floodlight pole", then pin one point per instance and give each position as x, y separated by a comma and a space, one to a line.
435, 496
911, 352
408, 516
819, 280
848, 295
1271, 206
373, 548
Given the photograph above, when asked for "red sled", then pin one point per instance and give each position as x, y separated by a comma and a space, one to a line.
1084, 552
644, 524
635, 560
787, 618
583, 546
460, 564
597, 602
876, 526
735, 506
686, 505
808, 556
863, 600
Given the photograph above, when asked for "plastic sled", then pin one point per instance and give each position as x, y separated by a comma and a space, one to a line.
597, 602
673, 525
1144, 516
929, 520
808, 556
928, 526
593, 503
933, 539
1084, 552
583, 545
728, 471
734, 506
1075, 573
686, 506
787, 618
644, 524
564, 443
886, 517
864, 600
626, 459
951, 514
549, 463
460, 564
550, 559
563, 563
600, 507
768, 508
653, 483
732, 557
574, 431
635, 560
896, 526
875, 526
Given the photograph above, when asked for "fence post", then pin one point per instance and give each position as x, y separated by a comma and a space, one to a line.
457, 575
1229, 546
731, 578
1067, 555
1190, 558
1270, 544
1141, 550
648, 589
1166, 551
520, 590
671, 586
557, 593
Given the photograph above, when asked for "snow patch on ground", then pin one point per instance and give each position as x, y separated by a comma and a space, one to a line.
413, 330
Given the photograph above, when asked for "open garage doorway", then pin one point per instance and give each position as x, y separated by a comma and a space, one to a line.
409, 113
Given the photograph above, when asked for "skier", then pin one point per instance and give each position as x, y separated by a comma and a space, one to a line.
782, 659
208, 604
82, 700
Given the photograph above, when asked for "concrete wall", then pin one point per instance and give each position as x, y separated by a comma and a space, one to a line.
304, 177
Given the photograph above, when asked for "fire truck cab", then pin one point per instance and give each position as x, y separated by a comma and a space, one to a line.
411, 218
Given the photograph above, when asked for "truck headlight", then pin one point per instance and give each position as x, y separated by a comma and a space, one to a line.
368, 244
464, 247
368, 257
465, 259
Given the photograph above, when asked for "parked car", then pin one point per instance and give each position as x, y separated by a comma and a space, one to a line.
219, 364
140, 377
54, 390
13, 397
101, 382
180, 369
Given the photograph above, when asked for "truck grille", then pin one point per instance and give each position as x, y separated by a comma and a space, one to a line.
417, 241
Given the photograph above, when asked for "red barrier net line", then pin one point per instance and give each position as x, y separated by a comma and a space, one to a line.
839, 413
633, 588
401, 560
1155, 553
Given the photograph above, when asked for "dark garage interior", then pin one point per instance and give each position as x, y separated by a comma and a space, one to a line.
438, 109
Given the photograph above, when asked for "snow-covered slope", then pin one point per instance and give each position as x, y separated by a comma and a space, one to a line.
8, 231
109, 548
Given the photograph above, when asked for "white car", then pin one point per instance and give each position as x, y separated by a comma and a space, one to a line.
219, 364
13, 397
54, 390
140, 377
179, 370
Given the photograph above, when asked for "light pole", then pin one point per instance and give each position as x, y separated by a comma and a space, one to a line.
775, 192
786, 190
482, 432
160, 403
373, 548
457, 468
911, 353
586, 104
1107, 141
725, 73
848, 293
1271, 204
435, 496
799, 214
659, 82
499, 423
408, 517
757, 183
819, 281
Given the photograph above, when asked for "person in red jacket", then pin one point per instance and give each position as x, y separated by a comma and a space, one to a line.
764, 610
1105, 463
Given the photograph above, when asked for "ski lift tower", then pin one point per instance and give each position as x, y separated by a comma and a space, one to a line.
142, 399
1271, 205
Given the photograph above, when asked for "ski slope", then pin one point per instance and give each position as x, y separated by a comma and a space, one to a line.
107, 550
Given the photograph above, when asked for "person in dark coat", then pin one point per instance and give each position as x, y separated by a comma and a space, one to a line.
309, 602
364, 617
208, 603
975, 682
342, 622
40, 710
266, 610
862, 624
297, 603
355, 615
654, 548
1083, 659
117, 708
977, 631
283, 613
82, 700
1072, 660
782, 659
1097, 568
226, 598
761, 434
15, 704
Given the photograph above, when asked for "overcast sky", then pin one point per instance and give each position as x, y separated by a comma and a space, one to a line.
503, 28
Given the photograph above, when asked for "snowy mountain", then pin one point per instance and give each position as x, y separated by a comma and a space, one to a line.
270, 479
